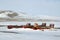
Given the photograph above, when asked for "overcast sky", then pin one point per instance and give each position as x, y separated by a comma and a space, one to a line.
32, 7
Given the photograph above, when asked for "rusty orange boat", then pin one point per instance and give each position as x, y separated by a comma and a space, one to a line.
35, 26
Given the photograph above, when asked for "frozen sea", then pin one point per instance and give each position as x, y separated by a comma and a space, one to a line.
28, 34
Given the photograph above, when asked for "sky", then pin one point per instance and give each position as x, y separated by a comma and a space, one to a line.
32, 7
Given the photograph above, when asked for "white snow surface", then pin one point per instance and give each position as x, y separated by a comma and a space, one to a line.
28, 34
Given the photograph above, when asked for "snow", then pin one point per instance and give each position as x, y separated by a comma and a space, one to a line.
28, 34
3, 14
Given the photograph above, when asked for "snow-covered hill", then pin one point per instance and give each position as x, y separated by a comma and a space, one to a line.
7, 15
4, 13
